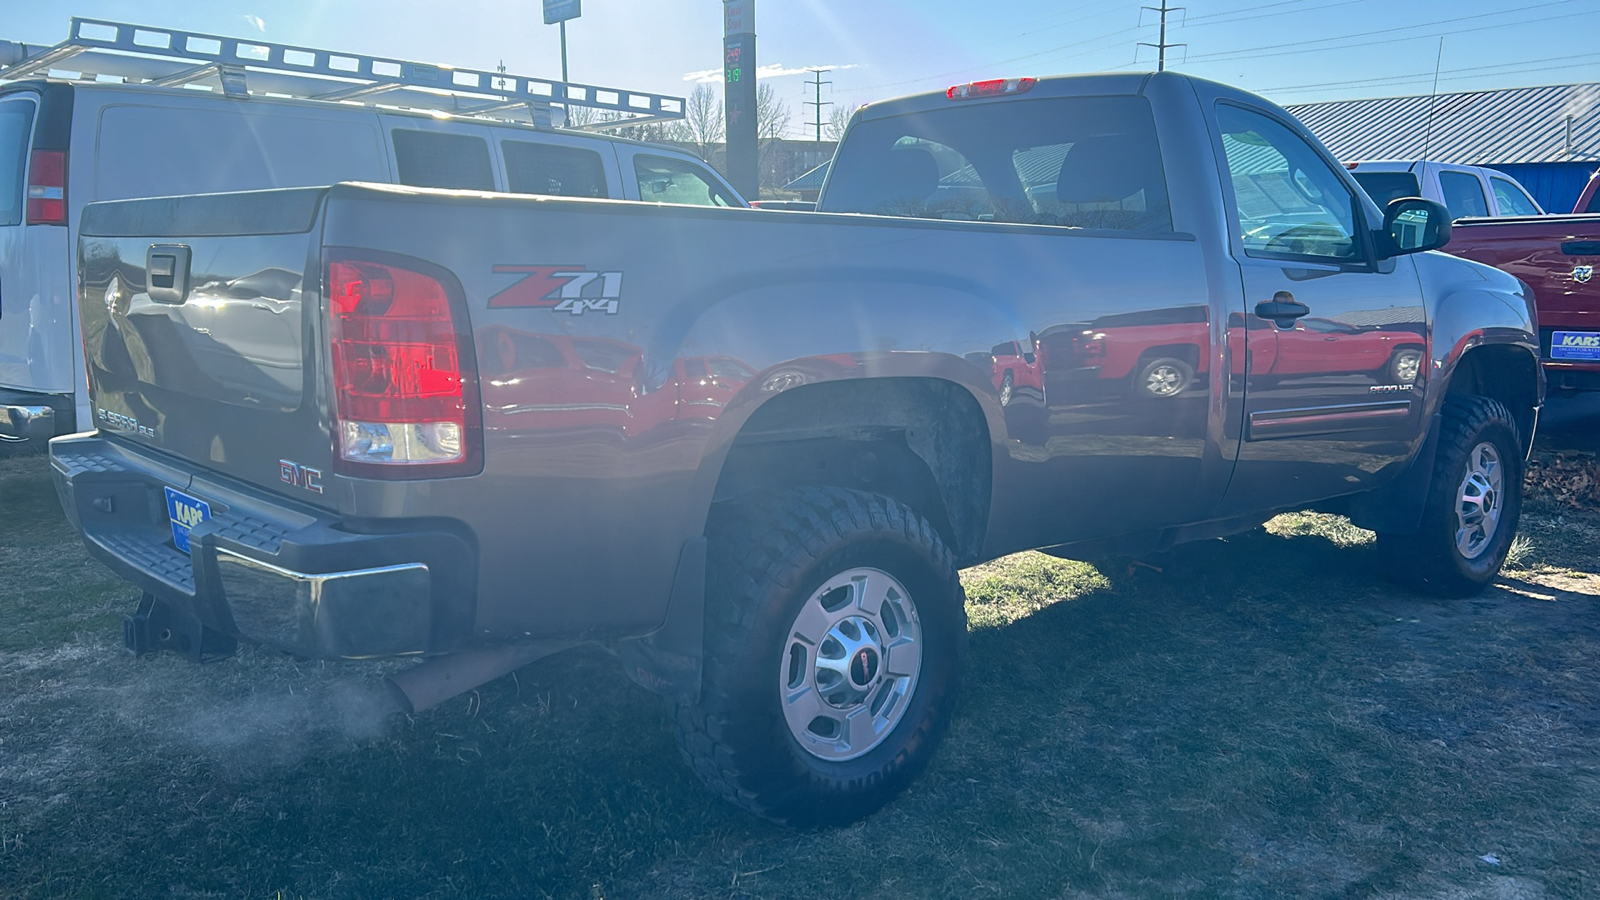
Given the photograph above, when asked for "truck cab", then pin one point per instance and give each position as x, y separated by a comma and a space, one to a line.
1467, 191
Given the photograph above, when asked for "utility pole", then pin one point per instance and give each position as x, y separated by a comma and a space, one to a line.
1161, 47
818, 83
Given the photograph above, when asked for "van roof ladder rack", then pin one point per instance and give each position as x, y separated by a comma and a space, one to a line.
238, 67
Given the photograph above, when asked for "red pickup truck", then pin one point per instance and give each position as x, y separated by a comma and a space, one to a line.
1556, 256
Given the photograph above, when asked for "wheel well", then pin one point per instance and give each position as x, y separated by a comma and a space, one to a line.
922, 441
1505, 373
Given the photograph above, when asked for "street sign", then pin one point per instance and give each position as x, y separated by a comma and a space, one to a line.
561, 10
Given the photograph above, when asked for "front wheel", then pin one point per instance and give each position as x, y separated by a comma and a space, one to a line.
834, 629
1473, 506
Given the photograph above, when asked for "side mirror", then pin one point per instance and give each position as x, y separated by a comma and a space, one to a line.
1412, 225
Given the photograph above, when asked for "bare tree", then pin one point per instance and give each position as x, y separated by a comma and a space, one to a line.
833, 129
703, 119
772, 114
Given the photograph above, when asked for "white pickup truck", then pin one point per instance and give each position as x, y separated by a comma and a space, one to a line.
1466, 191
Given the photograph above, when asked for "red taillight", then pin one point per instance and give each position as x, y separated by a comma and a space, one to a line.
994, 88
47, 188
1352, 166
402, 370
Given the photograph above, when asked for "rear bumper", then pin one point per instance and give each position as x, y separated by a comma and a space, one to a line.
289, 577
33, 417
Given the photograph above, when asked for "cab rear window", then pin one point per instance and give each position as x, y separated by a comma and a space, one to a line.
1386, 187
1079, 162
16, 124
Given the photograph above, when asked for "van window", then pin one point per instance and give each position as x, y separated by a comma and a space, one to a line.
196, 148
1512, 200
1463, 195
1082, 162
439, 159
664, 180
549, 169
16, 124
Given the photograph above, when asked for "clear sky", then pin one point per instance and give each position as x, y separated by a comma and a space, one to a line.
1291, 51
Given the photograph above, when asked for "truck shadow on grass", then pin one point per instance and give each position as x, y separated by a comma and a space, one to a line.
1263, 716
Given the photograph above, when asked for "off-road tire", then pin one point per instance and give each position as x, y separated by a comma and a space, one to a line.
1163, 378
1429, 559
768, 557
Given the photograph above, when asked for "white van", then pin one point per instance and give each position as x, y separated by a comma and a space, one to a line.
1464, 190
64, 144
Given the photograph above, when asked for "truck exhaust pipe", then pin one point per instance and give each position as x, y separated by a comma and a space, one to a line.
436, 680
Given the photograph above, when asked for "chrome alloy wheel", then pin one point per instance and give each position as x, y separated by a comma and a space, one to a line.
851, 664
1479, 500
1407, 366
1164, 380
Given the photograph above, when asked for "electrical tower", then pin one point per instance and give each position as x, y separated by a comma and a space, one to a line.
1162, 45
818, 83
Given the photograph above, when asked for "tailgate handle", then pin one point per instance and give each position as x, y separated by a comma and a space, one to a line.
166, 270
1580, 248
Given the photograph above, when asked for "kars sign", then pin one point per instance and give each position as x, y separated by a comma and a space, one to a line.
561, 10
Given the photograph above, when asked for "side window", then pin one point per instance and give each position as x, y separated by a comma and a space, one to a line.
666, 180
1512, 200
1081, 162
1386, 187
1290, 202
439, 159
550, 169
1463, 195
16, 126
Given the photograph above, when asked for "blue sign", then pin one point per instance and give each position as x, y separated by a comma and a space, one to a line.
185, 512
561, 10
1575, 345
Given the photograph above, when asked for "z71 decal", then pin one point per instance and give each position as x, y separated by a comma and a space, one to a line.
569, 289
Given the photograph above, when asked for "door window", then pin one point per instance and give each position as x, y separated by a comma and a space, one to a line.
1289, 202
438, 159
549, 169
664, 180
1512, 200
16, 125
1463, 195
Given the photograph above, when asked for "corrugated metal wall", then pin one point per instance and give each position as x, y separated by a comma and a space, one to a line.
1555, 185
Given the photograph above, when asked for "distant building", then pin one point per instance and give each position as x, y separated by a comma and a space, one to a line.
1548, 138
809, 185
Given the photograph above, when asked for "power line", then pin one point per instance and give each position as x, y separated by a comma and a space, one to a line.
819, 104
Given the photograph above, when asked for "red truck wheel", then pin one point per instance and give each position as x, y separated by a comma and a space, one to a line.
1164, 377
1473, 506
834, 628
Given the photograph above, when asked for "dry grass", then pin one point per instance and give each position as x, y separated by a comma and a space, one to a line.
1260, 717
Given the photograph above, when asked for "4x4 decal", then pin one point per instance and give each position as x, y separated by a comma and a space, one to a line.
568, 289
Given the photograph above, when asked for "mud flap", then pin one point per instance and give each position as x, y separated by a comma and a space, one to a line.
1396, 508
668, 661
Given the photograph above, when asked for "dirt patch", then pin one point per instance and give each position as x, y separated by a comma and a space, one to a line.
1570, 478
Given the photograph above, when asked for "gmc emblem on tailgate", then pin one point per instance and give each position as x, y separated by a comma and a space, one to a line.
290, 472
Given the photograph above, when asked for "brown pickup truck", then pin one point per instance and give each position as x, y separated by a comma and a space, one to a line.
1556, 256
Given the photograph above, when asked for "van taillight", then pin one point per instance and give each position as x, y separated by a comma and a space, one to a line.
403, 379
47, 188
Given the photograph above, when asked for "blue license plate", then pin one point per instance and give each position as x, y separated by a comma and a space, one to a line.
185, 512
1575, 345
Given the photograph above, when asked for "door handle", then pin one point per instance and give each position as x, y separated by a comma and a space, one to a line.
1282, 309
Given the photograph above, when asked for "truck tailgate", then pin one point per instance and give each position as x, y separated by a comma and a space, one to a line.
200, 330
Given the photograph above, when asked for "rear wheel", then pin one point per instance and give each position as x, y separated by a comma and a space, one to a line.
1007, 384
1473, 506
834, 627
1164, 377
1404, 366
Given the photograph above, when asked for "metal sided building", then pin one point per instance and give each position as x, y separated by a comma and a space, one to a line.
1548, 138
